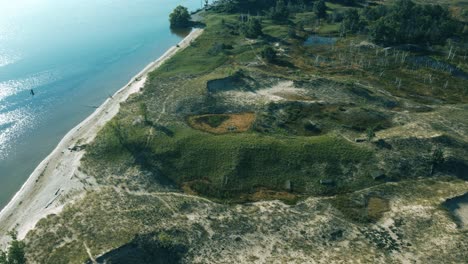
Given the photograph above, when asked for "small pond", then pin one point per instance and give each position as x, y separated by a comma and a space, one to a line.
315, 40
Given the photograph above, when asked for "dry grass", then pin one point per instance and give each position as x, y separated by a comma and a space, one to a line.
376, 207
233, 123
264, 194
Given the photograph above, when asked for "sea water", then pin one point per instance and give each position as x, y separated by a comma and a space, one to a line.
72, 54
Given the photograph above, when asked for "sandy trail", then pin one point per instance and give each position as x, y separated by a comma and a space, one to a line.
57, 180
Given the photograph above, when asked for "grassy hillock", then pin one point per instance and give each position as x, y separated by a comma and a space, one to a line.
237, 165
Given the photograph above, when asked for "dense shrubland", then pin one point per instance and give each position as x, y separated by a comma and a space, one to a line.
403, 22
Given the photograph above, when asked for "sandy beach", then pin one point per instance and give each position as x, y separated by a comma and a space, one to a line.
57, 180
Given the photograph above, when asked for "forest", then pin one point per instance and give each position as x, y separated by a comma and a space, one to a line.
403, 22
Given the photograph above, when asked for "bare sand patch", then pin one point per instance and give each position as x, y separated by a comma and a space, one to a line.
376, 207
281, 92
265, 194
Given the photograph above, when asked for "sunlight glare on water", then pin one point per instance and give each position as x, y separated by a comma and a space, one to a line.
73, 54
11, 125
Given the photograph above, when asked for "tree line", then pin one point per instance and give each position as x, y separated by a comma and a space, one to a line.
404, 22
252, 6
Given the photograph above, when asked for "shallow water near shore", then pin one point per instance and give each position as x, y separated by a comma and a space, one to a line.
73, 55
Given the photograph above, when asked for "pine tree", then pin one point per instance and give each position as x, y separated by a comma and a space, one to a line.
320, 9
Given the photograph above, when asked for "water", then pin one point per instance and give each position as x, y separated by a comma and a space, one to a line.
73, 54
319, 40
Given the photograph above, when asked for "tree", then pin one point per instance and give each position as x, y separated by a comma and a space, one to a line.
144, 113
346, 2
3, 257
380, 32
121, 134
351, 22
370, 134
279, 12
320, 9
15, 253
256, 6
292, 32
180, 17
253, 28
407, 22
269, 54
437, 158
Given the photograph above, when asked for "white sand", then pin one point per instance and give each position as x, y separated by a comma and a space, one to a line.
57, 180
462, 214
277, 93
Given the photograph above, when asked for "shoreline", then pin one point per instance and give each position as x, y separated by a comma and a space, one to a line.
56, 181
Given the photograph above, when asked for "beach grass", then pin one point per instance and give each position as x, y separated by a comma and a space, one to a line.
232, 166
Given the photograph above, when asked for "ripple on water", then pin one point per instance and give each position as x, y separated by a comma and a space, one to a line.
8, 58
17, 115
13, 87
12, 125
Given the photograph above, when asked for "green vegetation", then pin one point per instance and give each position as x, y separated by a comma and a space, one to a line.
351, 22
144, 112
309, 113
269, 54
438, 156
279, 12
148, 248
320, 9
370, 134
199, 58
180, 17
110, 219
288, 140
252, 28
404, 22
105, 221
367, 210
229, 166
15, 253
280, 8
